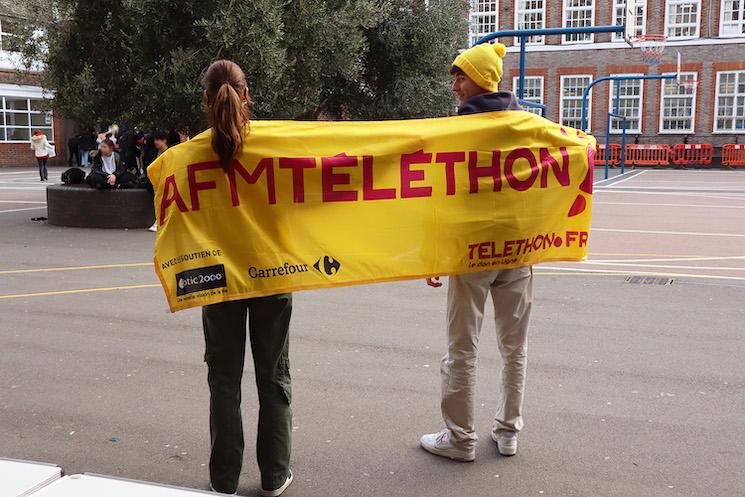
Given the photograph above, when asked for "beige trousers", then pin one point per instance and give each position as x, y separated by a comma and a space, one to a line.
512, 294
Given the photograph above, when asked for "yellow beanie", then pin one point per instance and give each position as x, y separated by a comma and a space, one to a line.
483, 64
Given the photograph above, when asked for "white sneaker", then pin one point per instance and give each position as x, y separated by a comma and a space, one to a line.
279, 491
439, 444
213, 489
506, 442
154, 227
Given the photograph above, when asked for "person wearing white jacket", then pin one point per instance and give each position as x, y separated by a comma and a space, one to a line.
41, 147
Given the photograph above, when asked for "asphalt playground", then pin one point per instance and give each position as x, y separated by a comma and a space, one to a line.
635, 385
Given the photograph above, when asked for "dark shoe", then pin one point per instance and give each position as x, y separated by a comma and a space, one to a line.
277, 491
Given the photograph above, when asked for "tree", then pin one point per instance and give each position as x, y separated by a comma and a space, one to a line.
141, 61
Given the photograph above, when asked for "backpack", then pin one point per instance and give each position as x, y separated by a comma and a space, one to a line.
73, 176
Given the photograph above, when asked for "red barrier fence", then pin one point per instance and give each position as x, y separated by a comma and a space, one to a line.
648, 155
699, 154
733, 155
615, 155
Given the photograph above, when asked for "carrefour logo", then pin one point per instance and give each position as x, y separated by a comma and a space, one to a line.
196, 280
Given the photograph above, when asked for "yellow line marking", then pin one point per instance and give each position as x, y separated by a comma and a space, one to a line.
83, 290
74, 268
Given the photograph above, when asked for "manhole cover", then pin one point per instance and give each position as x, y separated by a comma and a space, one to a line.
648, 280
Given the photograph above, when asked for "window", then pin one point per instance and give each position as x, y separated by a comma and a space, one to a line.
532, 91
733, 18
22, 116
10, 41
570, 112
677, 105
530, 14
484, 19
682, 19
578, 14
619, 9
730, 102
630, 105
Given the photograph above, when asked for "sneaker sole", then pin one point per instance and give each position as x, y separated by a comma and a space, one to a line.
506, 451
443, 453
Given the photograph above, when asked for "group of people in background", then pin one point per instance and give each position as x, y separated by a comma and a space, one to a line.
118, 157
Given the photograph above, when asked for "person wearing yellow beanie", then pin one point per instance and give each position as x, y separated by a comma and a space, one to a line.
483, 64
476, 76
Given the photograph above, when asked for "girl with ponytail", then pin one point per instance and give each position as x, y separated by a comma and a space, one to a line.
227, 99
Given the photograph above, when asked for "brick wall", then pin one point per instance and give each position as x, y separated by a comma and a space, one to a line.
20, 154
704, 59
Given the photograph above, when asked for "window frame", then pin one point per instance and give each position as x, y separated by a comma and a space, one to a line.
715, 119
29, 112
562, 77
694, 96
542, 101
668, 24
741, 22
541, 40
565, 18
612, 101
619, 37
474, 15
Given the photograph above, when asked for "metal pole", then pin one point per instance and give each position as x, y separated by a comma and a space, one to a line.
521, 88
623, 146
549, 31
607, 145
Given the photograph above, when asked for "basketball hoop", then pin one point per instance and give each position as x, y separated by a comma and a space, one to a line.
651, 47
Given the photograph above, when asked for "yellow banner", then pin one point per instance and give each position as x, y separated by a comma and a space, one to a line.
325, 204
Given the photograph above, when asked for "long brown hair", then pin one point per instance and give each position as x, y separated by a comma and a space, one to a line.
225, 86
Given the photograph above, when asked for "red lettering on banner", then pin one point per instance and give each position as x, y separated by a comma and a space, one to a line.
368, 188
329, 178
560, 173
475, 172
196, 186
298, 166
509, 163
264, 165
408, 175
450, 159
169, 187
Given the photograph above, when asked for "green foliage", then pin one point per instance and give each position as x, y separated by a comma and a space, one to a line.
141, 61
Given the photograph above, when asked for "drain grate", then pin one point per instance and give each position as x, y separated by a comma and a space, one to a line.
649, 280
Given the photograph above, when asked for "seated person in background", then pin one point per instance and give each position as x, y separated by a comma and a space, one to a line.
108, 169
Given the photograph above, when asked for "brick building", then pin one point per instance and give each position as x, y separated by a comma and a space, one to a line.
710, 35
22, 106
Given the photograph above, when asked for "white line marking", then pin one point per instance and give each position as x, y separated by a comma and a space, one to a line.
615, 177
24, 209
707, 206
678, 194
626, 179
21, 202
698, 190
672, 259
656, 232
647, 273
16, 172
621, 264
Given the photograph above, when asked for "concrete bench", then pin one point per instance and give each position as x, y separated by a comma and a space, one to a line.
80, 206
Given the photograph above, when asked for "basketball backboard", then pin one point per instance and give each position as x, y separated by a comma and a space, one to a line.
630, 31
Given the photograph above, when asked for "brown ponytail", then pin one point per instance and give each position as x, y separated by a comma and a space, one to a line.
225, 87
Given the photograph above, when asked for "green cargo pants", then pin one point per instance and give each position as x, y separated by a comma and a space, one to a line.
225, 337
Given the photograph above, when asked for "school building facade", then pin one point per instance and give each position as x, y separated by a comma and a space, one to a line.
22, 106
709, 34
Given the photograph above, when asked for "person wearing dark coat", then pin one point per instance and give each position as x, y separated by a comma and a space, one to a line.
108, 171
73, 150
87, 143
